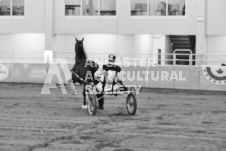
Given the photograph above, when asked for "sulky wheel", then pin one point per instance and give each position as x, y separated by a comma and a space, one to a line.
131, 104
92, 104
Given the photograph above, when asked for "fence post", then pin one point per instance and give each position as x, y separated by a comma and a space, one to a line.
47, 67
12, 67
200, 68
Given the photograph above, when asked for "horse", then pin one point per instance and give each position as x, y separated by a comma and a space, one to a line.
82, 66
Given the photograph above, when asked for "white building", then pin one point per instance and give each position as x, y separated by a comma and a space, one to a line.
28, 28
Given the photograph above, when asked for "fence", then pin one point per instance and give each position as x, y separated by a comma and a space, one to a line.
33, 67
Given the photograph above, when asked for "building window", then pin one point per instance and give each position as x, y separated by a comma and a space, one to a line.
176, 7
139, 7
5, 7
90, 7
18, 7
158, 7
11, 7
72, 7
108, 7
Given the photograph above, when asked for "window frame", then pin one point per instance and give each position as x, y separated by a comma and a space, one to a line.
91, 17
167, 16
11, 12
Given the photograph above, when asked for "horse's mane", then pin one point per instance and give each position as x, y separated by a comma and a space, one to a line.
79, 52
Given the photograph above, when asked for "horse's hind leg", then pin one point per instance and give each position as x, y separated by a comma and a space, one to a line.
84, 96
100, 98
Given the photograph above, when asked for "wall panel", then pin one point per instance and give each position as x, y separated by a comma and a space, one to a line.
216, 20
9, 78
29, 73
32, 22
123, 23
157, 80
183, 76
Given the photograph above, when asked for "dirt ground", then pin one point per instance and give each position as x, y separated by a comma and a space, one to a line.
166, 120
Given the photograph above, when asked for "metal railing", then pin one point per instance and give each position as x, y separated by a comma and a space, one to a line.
170, 59
27, 68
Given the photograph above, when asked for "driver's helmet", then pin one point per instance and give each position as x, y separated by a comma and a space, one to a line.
111, 58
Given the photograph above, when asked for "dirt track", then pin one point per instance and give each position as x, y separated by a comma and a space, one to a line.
166, 120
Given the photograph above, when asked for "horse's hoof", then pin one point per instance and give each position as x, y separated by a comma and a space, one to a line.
84, 106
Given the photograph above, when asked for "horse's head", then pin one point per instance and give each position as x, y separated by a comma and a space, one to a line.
79, 43
79, 51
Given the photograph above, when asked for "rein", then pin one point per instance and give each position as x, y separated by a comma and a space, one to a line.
83, 81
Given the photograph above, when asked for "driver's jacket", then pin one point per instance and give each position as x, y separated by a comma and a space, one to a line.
108, 75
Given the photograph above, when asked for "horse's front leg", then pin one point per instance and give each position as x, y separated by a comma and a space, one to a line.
84, 106
71, 87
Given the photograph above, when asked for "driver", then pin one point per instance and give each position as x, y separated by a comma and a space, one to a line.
109, 79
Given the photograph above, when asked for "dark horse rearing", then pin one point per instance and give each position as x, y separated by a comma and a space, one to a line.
82, 66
